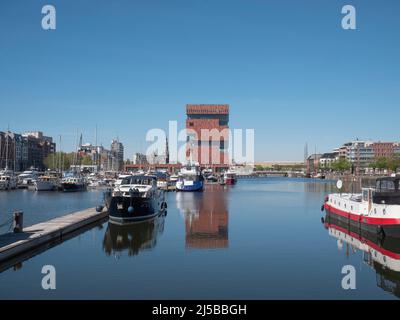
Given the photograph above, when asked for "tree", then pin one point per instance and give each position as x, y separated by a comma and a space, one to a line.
341, 165
86, 160
380, 163
59, 159
393, 163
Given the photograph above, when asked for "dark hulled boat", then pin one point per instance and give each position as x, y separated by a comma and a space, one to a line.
72, 184
136, 199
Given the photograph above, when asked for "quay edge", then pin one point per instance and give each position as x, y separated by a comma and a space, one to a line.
32, 237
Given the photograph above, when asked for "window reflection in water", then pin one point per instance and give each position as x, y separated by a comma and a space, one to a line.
206, 217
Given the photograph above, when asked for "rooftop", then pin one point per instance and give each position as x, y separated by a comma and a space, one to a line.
207, 109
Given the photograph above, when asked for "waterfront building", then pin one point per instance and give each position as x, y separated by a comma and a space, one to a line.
101, 158
327, 158
384, 149
312, 164
21, 152
117, 152
13, 151
360, 153
39, 147
211, 151
139, 159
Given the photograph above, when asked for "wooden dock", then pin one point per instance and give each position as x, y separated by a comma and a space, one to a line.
29, 242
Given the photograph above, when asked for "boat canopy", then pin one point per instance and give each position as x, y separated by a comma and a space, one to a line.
387, 191
387, 184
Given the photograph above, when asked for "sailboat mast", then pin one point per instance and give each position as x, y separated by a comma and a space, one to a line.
15, 153
8, 130
96, 150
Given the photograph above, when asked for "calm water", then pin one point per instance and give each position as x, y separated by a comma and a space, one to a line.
260, 239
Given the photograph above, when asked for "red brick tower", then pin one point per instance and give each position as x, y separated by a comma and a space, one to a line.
208, 135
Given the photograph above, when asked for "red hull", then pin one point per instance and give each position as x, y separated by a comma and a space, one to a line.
230, 181
363, 219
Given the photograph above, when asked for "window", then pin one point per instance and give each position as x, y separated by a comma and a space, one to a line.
222, 144
386, 186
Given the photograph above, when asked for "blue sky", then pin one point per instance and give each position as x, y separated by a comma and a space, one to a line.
286, 67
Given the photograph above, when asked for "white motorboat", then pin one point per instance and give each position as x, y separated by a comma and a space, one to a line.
27, 178
46, 183
8, 180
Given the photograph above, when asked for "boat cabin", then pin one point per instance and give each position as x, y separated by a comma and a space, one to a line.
387, 191
139, 180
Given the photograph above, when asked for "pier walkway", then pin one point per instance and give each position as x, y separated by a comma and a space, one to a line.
29, 241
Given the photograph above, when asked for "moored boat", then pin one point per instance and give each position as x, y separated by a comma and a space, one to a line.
136, 198
72, 184
27, 179
46, 183
8, 180
376, 210
190, 179
230, 177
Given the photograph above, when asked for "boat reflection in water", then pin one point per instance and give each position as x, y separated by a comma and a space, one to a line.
206, 217
132, 237
383, 255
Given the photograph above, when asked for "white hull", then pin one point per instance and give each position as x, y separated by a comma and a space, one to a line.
374, 210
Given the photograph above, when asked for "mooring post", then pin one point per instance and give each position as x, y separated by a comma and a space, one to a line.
18, 221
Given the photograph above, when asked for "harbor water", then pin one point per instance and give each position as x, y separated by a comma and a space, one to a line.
259, 239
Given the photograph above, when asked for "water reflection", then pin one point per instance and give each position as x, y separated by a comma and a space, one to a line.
206, 217
383, 255
132, 237
319, 186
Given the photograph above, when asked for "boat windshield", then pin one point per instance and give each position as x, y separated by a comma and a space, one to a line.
137, 180
188, 177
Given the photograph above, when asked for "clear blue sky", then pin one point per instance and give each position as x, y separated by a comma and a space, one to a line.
286, 67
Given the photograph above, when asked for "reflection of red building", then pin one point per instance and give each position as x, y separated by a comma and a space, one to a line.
208, 135
207, 225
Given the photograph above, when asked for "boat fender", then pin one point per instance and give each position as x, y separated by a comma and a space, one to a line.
99, 208
323, 207
322, 220
164, 205
130, 209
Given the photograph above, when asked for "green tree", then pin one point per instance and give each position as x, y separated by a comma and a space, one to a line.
393, 163
341, 165
380, 163
59, 159
86, 160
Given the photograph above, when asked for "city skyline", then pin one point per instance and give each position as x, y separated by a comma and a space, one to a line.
131, 67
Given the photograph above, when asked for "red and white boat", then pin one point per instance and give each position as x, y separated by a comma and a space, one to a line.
375, 210
230, 177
